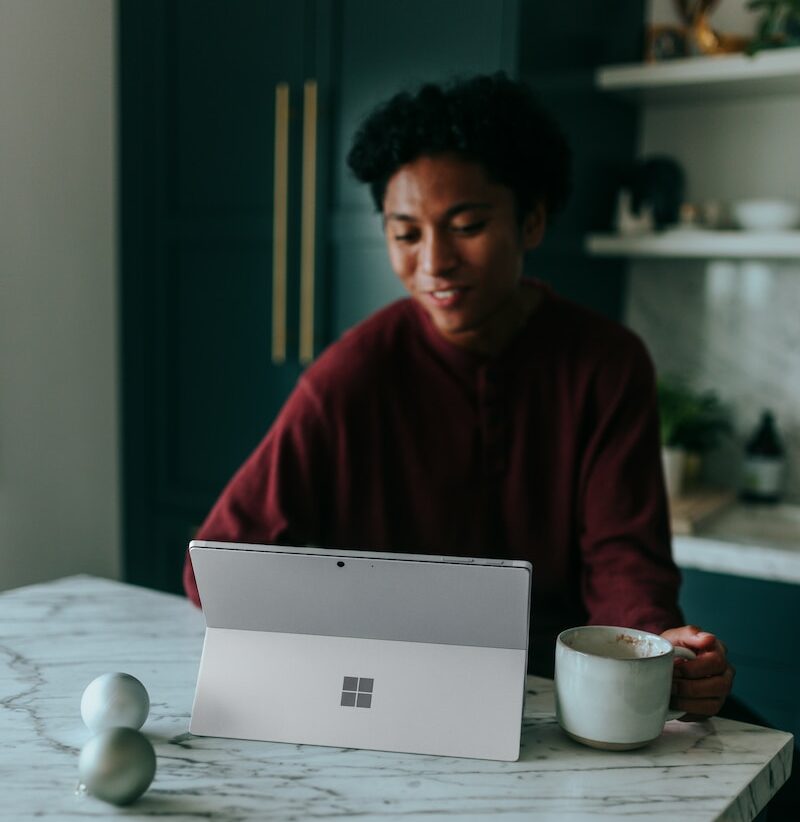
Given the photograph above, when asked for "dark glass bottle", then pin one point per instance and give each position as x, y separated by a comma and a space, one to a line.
764, 463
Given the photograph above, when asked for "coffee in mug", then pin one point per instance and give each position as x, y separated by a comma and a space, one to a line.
613, 685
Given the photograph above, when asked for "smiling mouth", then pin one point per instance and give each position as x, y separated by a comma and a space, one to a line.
446, 299
447, 293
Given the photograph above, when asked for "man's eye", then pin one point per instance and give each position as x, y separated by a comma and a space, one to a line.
471, 228
405, 238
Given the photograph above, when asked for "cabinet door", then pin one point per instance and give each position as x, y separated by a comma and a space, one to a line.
217, 385
752, 617
384, 48
199, 82
562, 47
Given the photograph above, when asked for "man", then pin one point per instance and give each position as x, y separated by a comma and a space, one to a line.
485, 416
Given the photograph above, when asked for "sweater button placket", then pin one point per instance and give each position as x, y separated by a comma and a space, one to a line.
492, 423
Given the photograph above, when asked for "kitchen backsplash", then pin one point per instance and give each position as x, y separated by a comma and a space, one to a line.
730, 326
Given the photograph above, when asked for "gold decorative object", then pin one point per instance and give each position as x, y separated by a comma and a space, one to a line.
280, 223
308, 228
694, 37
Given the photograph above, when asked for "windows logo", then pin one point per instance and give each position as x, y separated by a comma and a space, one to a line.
357, 692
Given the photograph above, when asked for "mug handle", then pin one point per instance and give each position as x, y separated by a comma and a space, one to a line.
685, 653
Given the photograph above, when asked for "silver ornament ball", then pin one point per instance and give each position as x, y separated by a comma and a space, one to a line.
114, 700
117, 765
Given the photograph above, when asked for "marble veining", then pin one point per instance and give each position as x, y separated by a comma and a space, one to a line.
56, 637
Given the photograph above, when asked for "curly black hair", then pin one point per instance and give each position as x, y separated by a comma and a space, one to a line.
489, 119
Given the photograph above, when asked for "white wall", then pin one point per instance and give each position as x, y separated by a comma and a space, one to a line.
59, 441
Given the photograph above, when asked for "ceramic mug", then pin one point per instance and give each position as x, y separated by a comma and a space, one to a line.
613, 685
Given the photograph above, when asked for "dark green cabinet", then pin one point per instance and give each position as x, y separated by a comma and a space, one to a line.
754, 618
566, 45
203, 372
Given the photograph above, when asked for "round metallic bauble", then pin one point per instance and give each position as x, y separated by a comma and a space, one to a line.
117, 765
114, 700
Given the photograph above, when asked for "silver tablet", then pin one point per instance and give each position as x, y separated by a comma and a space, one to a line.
358, 649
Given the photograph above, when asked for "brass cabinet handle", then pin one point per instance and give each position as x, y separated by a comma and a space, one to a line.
280, 221
308, 221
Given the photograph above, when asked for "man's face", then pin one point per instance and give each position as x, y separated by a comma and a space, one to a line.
456, 244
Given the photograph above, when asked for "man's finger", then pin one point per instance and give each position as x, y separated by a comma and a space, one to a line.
712, 663
712, 687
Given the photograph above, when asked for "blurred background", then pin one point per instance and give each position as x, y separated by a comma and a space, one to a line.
179, 236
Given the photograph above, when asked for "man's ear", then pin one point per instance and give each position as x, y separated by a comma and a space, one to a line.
533, 227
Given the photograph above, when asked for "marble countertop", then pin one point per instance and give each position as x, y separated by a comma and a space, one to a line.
755, 541
56, 637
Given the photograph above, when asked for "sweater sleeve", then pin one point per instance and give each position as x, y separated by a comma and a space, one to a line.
278, 495
628, 575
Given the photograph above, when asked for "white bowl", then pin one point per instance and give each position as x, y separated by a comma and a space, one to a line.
766, 215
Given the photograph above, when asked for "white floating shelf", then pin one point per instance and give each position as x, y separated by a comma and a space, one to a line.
698, 243
694, 78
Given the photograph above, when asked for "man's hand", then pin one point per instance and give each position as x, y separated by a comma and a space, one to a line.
700, 685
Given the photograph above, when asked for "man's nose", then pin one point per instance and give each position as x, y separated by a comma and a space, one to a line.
437, 255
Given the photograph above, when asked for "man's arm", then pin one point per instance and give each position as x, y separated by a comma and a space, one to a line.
629, 577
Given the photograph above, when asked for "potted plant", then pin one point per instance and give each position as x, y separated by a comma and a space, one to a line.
692, 424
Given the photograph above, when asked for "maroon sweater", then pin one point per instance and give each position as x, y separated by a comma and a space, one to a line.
396, 440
